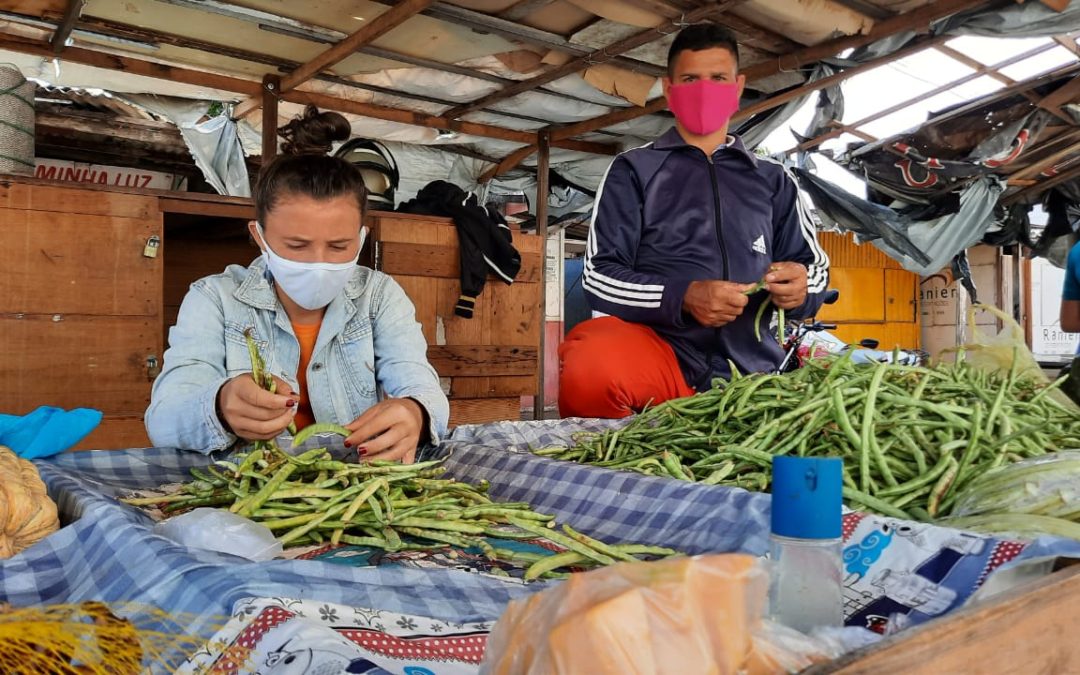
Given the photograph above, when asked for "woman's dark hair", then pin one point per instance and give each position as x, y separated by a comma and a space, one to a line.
702, 36
305, 168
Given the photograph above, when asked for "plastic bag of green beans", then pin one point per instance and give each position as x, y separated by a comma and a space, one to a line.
1040, 486
1005, 351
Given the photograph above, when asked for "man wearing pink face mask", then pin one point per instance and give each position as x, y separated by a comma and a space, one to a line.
682, 228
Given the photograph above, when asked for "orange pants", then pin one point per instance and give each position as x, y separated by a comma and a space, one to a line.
610, 368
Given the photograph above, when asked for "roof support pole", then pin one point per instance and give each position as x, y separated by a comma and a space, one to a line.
270, 90
543, 186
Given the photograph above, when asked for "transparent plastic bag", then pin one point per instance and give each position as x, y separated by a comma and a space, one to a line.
221, 531
1048, 486
684, 615
998, 352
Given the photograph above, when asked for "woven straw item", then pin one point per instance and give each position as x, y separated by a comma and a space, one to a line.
16, 122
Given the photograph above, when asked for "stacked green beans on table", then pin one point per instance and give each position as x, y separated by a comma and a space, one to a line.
313, 499
911, 438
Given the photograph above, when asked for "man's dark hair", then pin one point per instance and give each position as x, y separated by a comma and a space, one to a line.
701, 36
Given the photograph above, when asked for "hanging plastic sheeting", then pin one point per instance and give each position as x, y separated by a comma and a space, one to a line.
214, 142
942, 238
757, 128
924, 166
869, 221
922, 246
1015, 20
1031, 19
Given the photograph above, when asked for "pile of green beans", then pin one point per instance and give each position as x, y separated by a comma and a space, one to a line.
911, 438
313, 499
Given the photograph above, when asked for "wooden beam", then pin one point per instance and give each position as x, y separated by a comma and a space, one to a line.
271, 90
582, 62
125, 31
814, 142
131, 129
482, 360
978, 66
1053, 159
825, 82
89, 57
1001, 77
1066, 93
916, 19
466, 151
63, 32
1041, 186
508, 163
543, 187
516, 32
369, 32
757, 36
1068, 42
251, 88
908, 21
749, 33
431, 121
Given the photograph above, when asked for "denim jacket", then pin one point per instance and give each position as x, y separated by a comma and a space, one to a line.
370, 347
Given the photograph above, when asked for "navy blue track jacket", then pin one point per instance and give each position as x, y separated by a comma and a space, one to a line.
667, 214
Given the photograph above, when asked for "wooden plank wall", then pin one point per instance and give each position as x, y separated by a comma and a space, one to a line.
79, 303
190, 256
490, 360
878, 298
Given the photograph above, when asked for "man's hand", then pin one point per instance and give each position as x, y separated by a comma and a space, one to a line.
251, 412
389, 430
787, 284
715, 303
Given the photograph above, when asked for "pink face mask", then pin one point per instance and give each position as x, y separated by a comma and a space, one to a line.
703, 106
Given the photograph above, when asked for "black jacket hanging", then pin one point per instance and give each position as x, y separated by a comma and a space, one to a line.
483, 238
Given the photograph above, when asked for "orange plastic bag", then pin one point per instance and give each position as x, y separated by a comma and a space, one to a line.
684, 615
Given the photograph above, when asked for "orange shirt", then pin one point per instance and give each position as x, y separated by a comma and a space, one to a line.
306, 335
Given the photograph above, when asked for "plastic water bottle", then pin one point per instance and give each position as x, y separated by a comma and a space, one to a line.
806, 586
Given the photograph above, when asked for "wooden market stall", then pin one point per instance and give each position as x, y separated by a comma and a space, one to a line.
879, 299
91, 279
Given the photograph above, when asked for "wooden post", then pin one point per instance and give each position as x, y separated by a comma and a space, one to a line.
270, 92
543, 162
63, 31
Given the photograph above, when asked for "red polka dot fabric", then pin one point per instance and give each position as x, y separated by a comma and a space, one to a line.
466, 649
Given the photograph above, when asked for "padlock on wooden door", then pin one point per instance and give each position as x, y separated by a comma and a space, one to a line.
153, 367
152, 246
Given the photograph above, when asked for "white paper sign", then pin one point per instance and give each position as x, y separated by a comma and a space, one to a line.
100, 174
1048, 341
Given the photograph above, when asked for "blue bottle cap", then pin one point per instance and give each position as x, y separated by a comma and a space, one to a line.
807, 497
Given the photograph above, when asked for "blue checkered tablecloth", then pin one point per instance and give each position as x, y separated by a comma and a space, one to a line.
107, 551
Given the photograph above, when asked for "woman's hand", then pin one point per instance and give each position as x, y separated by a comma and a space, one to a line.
389, 430
251, 412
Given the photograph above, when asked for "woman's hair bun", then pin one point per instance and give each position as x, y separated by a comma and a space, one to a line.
314, 132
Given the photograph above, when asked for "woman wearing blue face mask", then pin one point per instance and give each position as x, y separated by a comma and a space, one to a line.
341, 340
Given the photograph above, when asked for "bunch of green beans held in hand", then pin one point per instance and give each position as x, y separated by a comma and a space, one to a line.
313, 499
911, 438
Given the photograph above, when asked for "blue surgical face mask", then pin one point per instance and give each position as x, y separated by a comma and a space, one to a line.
310, 285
